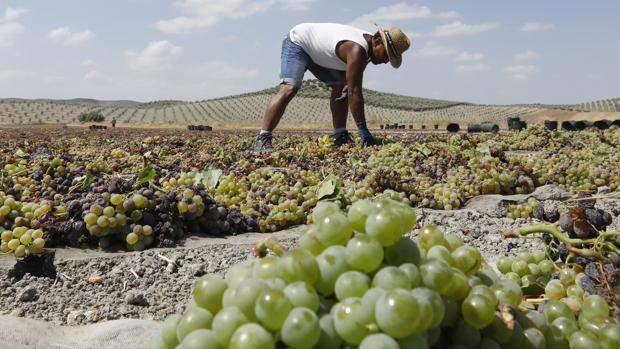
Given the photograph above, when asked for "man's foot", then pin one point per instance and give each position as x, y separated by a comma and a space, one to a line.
262, 144
342, 138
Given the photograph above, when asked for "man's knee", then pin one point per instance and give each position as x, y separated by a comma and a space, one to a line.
288, 91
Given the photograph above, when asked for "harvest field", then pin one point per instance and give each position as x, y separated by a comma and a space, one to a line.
430, 240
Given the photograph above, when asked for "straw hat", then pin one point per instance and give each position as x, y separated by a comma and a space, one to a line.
395, 43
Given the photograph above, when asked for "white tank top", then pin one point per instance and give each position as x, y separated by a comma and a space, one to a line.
319, 40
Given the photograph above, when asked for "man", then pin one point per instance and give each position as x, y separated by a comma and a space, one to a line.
337, 55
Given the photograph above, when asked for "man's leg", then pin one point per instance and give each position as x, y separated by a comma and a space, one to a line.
277, 106
340, 109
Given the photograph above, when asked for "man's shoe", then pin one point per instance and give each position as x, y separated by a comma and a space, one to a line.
342, 138
262, 144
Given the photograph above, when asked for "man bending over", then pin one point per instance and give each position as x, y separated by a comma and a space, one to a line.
337, 55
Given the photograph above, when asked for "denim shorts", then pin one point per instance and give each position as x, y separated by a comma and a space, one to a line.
295, 61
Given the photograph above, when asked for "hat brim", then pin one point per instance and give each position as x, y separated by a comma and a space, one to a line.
395, 61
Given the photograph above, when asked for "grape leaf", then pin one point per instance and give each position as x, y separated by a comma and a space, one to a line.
20, 153
533, 290
146, 175
353, 160
422, 148
209, 179
328, 188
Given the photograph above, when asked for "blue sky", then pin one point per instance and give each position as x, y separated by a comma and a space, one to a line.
478, 51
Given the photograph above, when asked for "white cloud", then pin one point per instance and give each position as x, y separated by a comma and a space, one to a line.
471, 68
66, 37
520, 72
449, 15
220, 70
433, 49
10, 29
414, 35
459, 28
536, 26
398, 12
88, 63
97, 77
526, 55
206, 13
12, 13
153, 57
469, 56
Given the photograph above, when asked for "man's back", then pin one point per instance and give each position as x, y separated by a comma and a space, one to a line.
319, 40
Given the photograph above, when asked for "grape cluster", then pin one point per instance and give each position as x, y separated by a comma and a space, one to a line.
357, 281
20, 231
22, 241
524, 210
527, 268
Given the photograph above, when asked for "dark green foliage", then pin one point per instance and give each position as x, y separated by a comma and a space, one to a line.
91, 117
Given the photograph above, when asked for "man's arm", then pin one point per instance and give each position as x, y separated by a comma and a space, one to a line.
356, 63
357, 59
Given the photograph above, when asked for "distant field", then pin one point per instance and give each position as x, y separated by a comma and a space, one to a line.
310, 107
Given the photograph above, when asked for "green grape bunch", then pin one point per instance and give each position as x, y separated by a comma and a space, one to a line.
357, 280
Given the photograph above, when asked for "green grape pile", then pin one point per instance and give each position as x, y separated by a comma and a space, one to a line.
524, 210
357, 281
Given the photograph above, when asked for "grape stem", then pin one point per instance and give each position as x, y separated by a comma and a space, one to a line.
261, 249
552, 229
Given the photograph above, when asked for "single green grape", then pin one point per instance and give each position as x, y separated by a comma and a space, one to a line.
358, 212
193, 319
390, 316
390, 278
379, 341
208, 292
594, 306
351, 284
300, 294
201, 339
332, 263
478, 311
251, 336
301, 329
364, 253
225, 323
169, 331
271, 308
